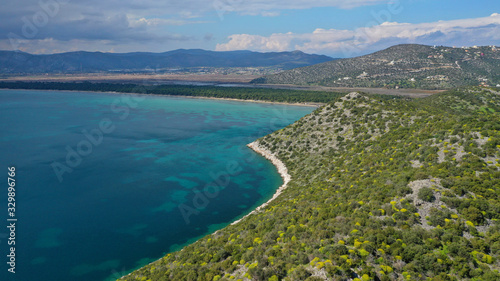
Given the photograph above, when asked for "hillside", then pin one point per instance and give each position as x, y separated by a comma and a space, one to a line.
403, 66
88, 62
381, 189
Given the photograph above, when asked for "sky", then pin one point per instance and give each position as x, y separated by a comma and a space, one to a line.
330, 27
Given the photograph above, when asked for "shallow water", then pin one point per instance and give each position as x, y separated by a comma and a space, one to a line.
166, 171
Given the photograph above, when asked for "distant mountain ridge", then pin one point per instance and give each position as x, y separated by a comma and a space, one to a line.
402, 66
87, 62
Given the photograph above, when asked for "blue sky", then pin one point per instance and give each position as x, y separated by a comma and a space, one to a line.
331, 27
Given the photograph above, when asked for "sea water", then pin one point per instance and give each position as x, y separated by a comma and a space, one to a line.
106, 183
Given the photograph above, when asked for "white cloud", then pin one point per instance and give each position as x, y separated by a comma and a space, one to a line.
160, 22
476, 31
266, 7
114, 22
270, 14
121, 23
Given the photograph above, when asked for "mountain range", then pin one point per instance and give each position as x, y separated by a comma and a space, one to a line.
402, 66
15, 62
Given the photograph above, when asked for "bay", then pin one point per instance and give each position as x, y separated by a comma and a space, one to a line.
106, 183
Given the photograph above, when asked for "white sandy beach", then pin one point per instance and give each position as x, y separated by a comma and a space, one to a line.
282, 170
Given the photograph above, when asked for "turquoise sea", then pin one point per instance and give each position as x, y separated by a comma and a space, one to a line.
106, 183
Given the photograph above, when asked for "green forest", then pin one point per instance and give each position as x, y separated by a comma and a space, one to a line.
258, 94
381, 189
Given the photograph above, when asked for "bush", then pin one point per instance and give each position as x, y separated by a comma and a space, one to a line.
300, 273
438, 217
314, 278
426, 194
474, 215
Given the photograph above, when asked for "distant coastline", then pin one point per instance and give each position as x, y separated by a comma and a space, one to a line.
308, 104
241, 81
243, 100
316, 105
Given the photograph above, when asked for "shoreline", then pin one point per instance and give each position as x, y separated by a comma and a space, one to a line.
282, 170
280, 166
316, 105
